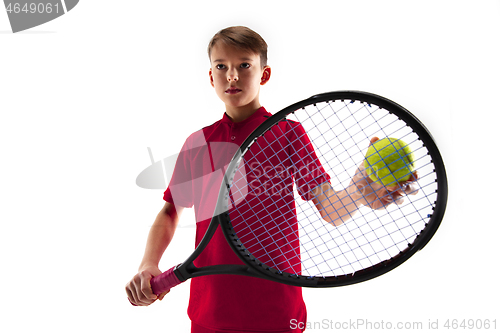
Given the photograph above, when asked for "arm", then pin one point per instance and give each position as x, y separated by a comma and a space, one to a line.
337, 207
139, 289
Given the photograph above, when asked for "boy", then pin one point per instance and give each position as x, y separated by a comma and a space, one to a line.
239, 67
238, 59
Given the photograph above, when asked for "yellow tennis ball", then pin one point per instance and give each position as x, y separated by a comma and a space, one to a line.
388, 161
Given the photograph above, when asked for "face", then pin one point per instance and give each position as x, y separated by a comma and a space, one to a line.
237, 76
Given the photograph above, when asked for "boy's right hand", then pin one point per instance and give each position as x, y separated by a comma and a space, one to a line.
139, 290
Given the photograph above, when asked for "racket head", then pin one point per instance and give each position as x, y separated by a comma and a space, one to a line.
339, 126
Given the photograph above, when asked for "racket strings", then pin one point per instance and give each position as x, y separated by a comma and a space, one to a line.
367, 137
368, 238
263, 146
320, 256
342, 122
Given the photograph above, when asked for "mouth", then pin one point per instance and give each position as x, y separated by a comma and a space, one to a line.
232, 91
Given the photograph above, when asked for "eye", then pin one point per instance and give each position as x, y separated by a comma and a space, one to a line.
220, 66
245, 65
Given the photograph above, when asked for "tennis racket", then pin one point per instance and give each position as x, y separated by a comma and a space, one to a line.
269, 209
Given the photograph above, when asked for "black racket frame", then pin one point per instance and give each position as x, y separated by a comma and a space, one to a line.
251, 266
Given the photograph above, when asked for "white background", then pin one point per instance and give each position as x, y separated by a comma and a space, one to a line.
83, 96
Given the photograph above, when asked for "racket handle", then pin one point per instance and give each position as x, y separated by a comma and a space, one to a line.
164, 281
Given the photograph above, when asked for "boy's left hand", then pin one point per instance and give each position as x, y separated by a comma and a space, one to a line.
365, 191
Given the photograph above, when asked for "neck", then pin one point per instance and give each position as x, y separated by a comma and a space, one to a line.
238, 114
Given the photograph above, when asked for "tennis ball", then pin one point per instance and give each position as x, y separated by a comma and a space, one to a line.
388, 161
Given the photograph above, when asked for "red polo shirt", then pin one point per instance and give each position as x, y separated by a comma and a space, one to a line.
231, 302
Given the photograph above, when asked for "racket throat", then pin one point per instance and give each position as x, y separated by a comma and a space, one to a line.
185, 270
192, 271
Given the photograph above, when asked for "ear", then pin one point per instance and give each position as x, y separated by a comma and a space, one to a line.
266, 75
211, 77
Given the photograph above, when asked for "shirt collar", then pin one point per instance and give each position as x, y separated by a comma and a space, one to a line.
259, 113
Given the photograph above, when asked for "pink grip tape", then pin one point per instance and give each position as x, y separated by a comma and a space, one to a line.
164, 281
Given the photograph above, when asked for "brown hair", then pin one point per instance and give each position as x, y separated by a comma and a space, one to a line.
243, 38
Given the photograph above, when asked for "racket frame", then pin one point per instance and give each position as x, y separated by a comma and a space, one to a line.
251, 266
383, 267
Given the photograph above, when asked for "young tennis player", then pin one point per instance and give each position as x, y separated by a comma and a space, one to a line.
231, 303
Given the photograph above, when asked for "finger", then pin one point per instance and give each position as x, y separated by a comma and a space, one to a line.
379, 204
410, 186
401, 187
130, 296
131, 291
163, 295
388, 197
135, 293
394, 188
133, 297
377, 200
411, 189
397, 196
379, 189
146, 289
373, 140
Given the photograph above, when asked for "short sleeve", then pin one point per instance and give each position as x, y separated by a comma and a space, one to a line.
307, 169
180, 188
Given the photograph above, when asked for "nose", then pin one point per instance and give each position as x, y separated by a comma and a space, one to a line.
232, 75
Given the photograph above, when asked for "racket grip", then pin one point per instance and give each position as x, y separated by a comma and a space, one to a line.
164, 281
